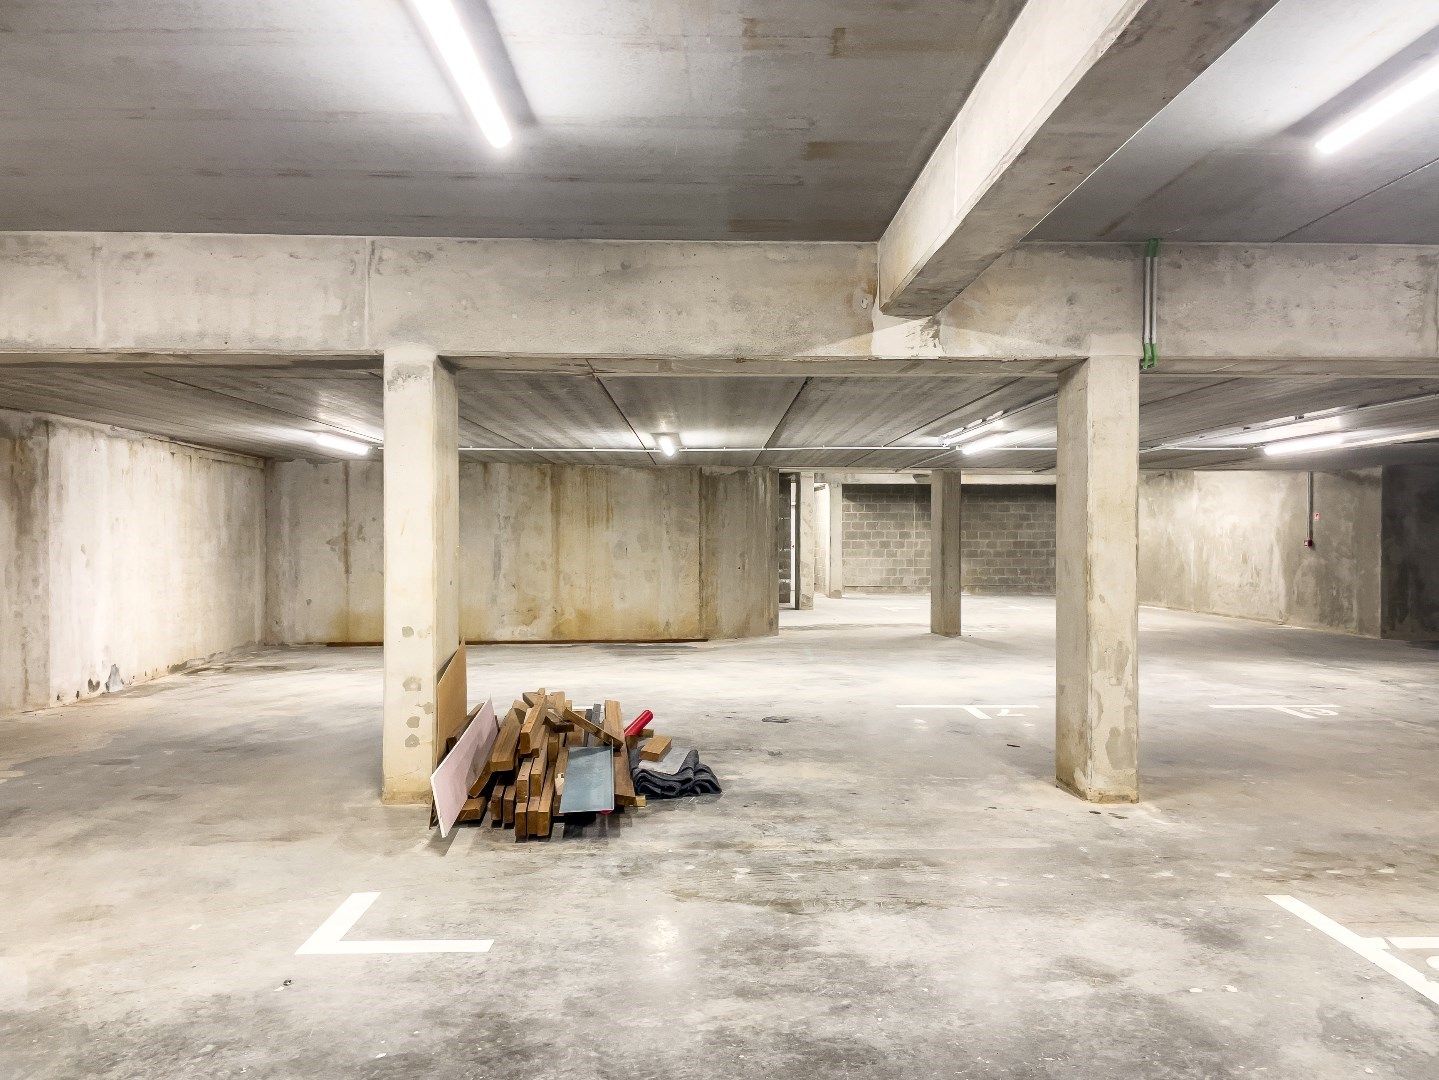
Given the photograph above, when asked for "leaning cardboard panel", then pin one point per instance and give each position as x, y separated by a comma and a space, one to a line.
452, 703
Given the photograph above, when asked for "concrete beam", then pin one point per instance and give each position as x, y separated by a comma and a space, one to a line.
944, 553
704, 309
1070, 83
1097, 581
422, 566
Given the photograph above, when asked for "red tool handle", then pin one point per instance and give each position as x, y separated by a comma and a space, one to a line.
638, 724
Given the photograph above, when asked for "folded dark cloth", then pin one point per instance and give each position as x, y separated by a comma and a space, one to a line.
674, 776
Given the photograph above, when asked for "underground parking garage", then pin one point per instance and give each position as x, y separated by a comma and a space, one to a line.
619, 540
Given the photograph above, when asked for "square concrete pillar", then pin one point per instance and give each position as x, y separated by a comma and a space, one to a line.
944, 559
836, 542
821, 536
1097, 570
804, 565
422, 579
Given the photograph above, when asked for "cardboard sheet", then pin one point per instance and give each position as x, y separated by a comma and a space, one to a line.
452, 779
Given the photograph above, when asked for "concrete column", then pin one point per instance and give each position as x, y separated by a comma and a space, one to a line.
805, 562
836, 541
821, 537
1097, 639
944, 559
422, 535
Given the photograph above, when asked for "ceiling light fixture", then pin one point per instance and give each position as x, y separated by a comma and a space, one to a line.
973, 430
1382, 109
353, 447
669, 445
447, 32
1304, 446
989, 442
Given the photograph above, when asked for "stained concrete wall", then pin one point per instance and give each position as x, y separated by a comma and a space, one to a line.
1411, 552
324, 566
1232, 543
547, 553
739, 559
126, 556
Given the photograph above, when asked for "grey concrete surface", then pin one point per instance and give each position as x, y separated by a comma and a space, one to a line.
946, 520
801, 119
548, 552
1410, 539
1232, 543
1096, 579
882, 891
123, 557
421, 609
755, 309
1068, 86
1232, 156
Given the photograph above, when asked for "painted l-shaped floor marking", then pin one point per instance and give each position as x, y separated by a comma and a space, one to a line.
1369, 948
328, 940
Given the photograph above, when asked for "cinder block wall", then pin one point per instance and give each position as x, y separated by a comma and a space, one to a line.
886, 538
1008, 539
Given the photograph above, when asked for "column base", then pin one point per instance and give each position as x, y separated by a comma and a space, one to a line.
1098, 796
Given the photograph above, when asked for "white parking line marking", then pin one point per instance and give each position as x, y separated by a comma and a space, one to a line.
327, 940
1418, 944
1304, 712
1365, 947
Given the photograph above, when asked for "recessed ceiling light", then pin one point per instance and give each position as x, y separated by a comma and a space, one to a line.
1381, 109
353, 447
447, 32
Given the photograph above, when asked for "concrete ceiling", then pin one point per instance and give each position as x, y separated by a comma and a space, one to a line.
693, 119
1232, 158
268, 412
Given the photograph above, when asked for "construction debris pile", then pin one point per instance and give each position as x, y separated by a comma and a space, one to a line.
546, 761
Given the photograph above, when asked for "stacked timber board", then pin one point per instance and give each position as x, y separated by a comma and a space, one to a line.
522, 784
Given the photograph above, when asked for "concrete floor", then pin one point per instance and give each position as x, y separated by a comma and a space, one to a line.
883, 890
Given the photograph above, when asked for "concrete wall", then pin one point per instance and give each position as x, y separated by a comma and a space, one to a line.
739, 559
1411, 552
125, 555
1232, 543
1007, 538
547, 553
324, 565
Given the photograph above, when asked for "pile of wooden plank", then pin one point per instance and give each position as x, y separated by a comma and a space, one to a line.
521, 785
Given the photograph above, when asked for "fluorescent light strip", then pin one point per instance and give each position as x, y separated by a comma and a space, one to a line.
447, 32
989, 442
1381, 110
1304, 446
353, 447
973, 431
